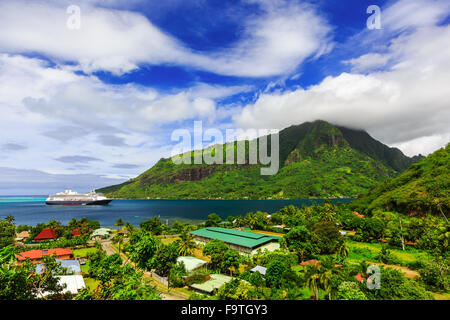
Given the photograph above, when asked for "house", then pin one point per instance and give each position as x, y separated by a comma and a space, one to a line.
101, 233
312, 262
37, 255
72, 266
262, 270
73, 284
46, 234
358, 214
359, 277
245, 242
208, 287
191, 263
22, 236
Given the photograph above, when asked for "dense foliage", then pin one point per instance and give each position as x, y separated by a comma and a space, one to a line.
423, 188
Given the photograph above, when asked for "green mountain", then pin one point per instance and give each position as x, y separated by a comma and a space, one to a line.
317, 159
423, 188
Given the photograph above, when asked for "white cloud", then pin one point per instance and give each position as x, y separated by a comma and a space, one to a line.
400, 106
118, 41
56, 114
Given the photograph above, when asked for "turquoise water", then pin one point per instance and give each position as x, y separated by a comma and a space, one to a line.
16, 200
33, 210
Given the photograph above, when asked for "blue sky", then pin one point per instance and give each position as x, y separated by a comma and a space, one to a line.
98, 103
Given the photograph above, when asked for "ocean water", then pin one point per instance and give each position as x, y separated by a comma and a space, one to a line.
33, 210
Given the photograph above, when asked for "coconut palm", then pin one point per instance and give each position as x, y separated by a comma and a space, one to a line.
325, 281
343, 250
312, 279
186, 245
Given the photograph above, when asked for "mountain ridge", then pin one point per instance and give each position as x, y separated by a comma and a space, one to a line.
422, 188
317, 159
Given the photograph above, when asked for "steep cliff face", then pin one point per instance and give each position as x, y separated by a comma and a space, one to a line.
317, 159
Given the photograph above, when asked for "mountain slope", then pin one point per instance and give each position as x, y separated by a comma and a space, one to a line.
317, 159
423, 188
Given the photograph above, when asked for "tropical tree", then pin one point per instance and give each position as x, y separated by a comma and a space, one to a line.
142, 247
274, 273
186, 244
215, 249
213, 220
343, 250
118, 239
119, 223
312, 277
325, 282
231, 260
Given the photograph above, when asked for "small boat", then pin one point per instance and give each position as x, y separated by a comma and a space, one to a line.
72, 198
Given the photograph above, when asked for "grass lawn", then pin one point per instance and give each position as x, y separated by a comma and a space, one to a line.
368, 251
167, 241
83, 252
91, 283
441, 296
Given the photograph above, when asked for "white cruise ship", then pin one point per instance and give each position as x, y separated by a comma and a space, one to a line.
72, 198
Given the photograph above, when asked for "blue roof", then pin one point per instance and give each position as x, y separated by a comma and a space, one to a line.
73, 266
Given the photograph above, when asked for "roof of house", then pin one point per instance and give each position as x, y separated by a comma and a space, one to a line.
358, 214
37, 254
73, 283
359, 277
216, 281
23, 234
191, 263
312, 262
72, 266
241, 238
101, 232
48, 233
260, 269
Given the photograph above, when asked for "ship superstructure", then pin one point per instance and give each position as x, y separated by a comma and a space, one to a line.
72, 198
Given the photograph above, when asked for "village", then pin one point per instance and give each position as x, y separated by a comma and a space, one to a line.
317, 252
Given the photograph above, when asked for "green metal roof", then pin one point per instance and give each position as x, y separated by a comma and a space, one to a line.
241, 238
216, 281
191, 263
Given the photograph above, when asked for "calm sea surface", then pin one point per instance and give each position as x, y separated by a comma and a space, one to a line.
33, 210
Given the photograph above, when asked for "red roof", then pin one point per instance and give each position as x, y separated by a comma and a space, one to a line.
358, 214
49, 233
313, 262
359, 277
38, 254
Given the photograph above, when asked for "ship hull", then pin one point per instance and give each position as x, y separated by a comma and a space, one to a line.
79, 203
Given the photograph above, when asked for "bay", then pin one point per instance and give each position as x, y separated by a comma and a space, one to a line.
33, 210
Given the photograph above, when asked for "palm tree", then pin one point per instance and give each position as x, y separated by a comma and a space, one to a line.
439, 206
118, 238
343, 250
9, 218
312, 279
130, 228
325, 281
186, 245
252, 220
119, 223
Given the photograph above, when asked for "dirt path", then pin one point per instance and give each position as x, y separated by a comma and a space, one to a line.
406, 271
